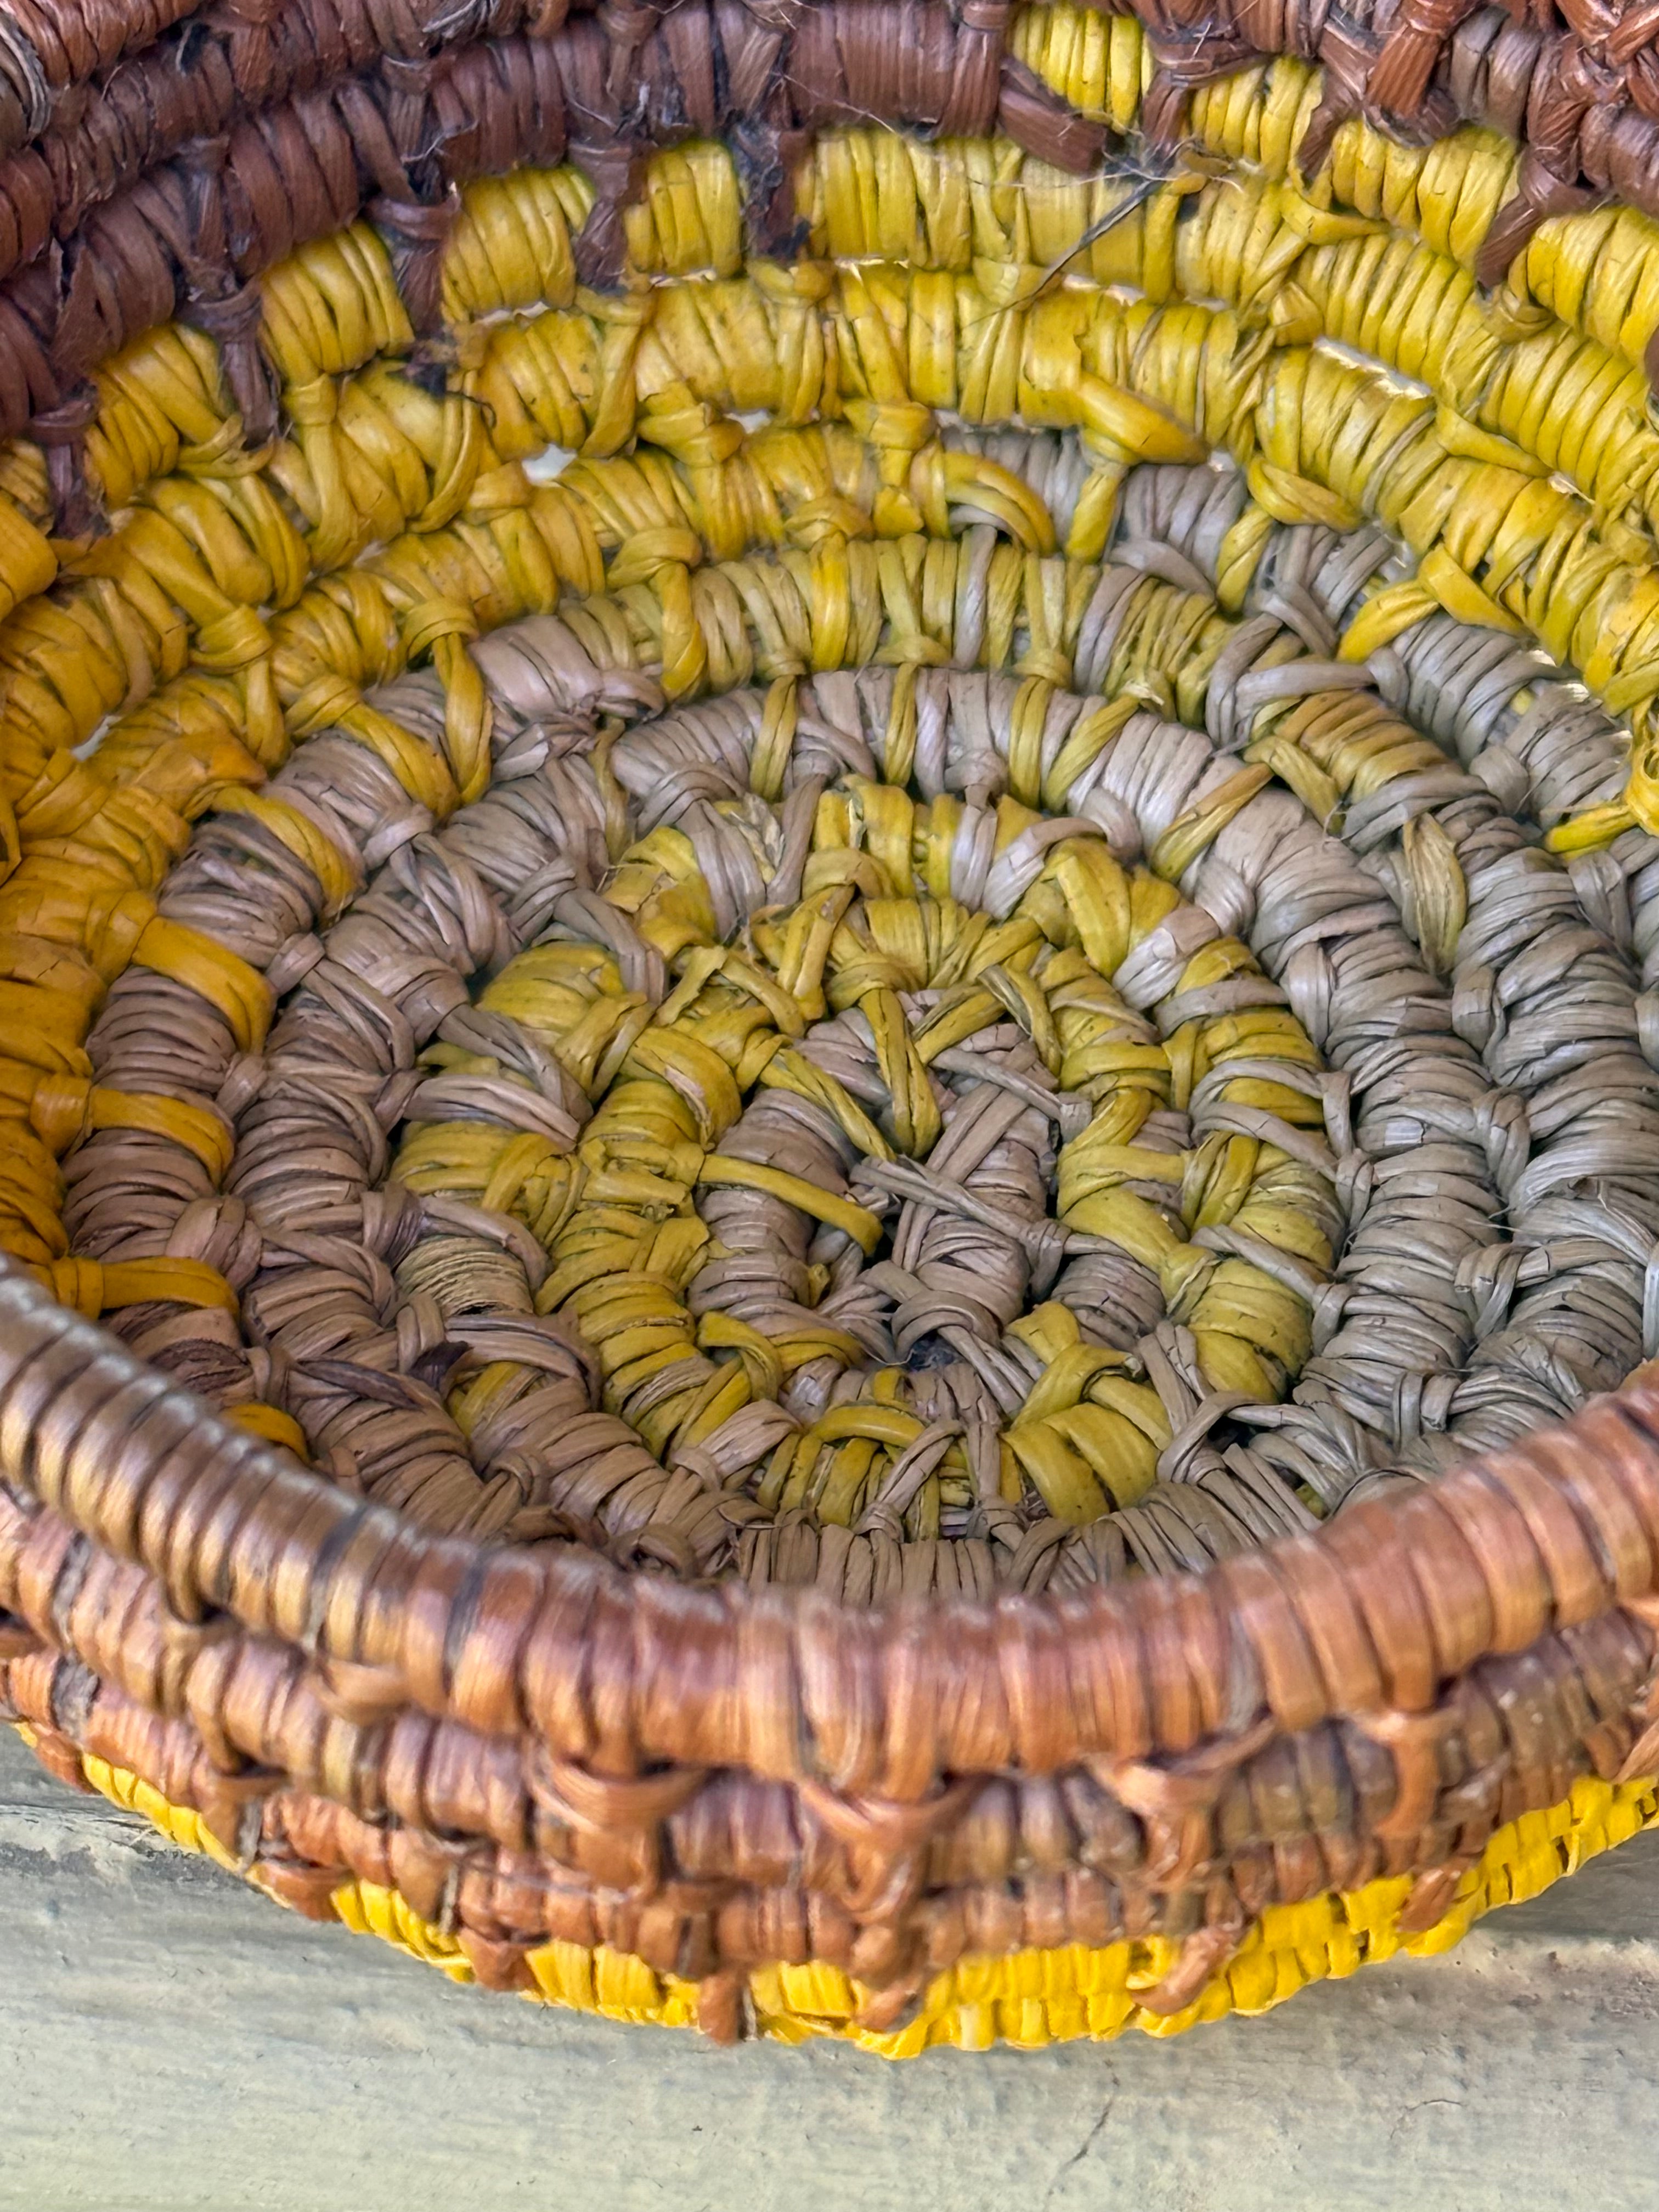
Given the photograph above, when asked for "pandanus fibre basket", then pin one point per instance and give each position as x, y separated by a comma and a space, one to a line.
831, 1154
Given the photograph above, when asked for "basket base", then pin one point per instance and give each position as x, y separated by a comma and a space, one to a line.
1028, 1999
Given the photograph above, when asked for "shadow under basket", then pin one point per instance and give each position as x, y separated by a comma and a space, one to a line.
828, 908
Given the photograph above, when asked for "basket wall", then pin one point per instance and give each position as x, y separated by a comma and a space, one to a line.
1179, 1676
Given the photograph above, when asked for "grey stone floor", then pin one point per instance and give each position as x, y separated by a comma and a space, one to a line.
169, 2041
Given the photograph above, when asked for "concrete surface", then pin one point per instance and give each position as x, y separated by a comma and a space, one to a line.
169, 2041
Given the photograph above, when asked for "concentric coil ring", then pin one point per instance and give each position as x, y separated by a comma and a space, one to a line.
593, 1295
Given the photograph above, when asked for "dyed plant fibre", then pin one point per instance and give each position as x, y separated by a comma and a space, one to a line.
828, 920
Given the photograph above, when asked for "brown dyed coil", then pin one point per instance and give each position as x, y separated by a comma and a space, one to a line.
48, 51
853, 1789
1581, 84
335, 137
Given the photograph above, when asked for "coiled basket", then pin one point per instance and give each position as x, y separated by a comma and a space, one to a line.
828, 909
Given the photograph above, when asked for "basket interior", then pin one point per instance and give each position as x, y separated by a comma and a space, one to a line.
951, 894
908, 1000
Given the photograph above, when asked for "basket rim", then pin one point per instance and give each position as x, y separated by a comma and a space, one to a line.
1370, 1616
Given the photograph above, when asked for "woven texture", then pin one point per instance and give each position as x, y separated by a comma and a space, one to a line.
828, 919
